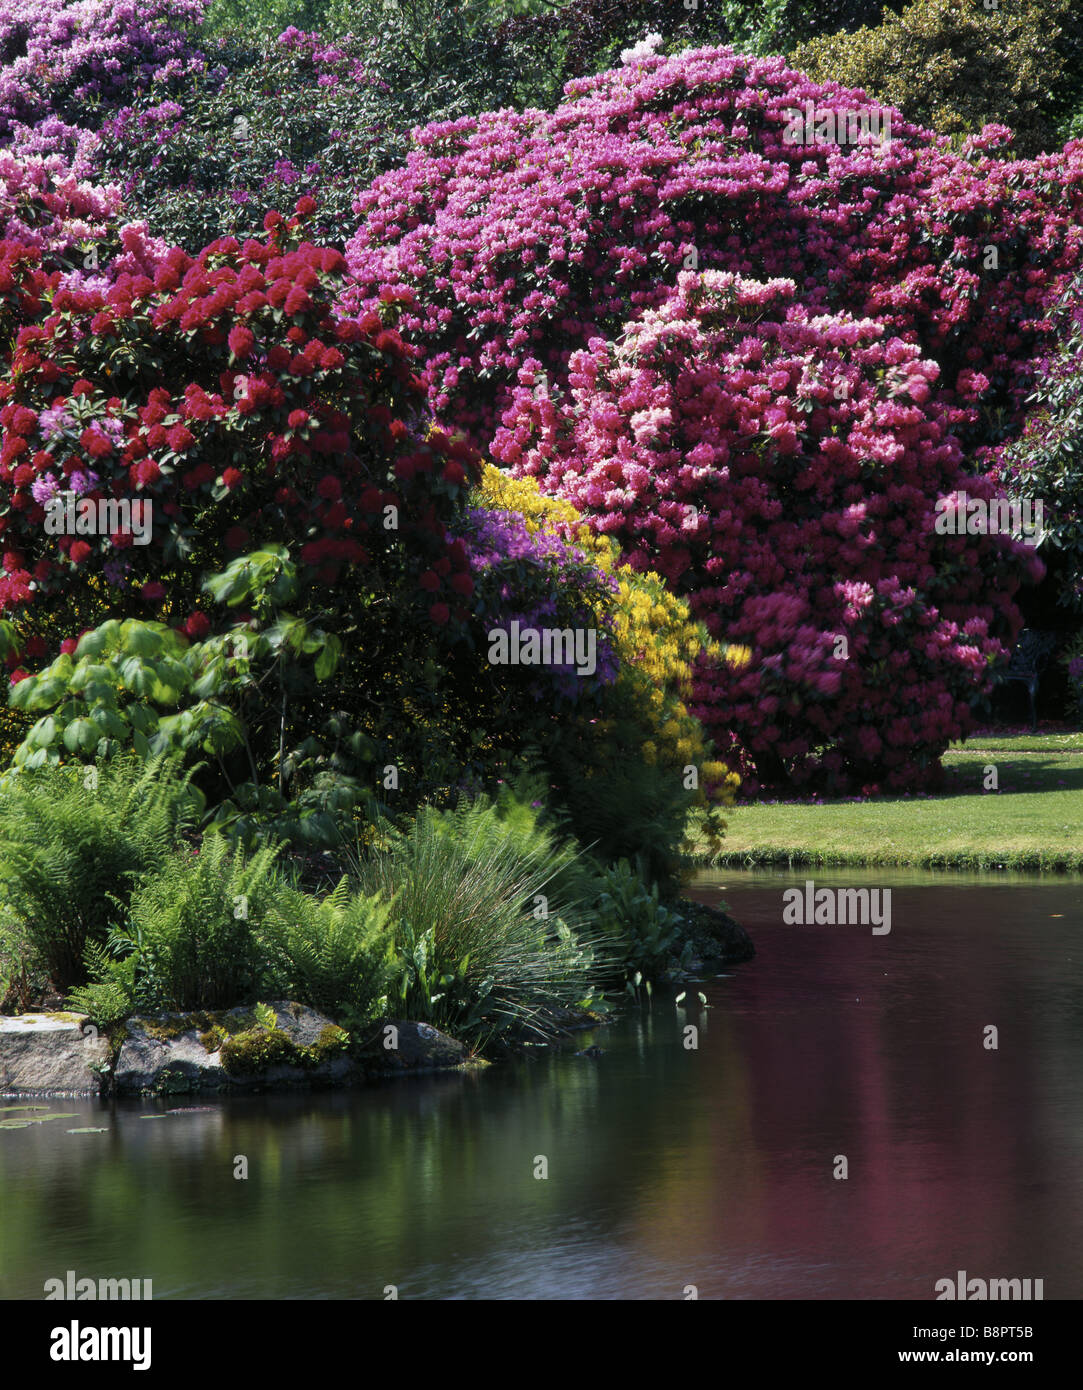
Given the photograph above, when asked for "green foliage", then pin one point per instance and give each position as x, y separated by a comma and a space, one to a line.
75, 842
623, 807
958, 66
249, 698
107, 1001
648, 937
231, 148
265, 17
334, 953
485, 940
190, 927
1047, 460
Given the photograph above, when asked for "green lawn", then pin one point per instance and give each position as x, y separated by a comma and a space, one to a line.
1034, 820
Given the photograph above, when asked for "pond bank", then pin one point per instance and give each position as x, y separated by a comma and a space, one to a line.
282, 1045
1010, 806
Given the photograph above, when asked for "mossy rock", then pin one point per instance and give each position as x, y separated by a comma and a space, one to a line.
167, 1027
270, 1044
257, 1049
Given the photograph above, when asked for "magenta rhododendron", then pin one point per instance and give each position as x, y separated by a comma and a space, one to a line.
522, 235
782, 468
546, 267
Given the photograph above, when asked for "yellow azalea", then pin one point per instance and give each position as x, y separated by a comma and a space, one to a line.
657, 642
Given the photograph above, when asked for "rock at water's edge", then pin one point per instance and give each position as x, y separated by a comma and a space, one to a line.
716, 937
413, 1047
170, 1054
50, 1054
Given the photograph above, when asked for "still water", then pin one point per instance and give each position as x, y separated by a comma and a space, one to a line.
667, 1166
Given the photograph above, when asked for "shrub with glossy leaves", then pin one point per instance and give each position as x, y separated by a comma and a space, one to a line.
1046, 462
221, 151
958, 66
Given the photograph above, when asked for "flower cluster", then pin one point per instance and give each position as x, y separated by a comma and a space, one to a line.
782, 470
64, 61
224, 390
540, 581
654, 637
43, 207
524, 235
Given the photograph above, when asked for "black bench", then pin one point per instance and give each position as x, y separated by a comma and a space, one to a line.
1029, 659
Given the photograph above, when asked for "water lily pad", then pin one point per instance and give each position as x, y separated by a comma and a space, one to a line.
88, 1129
54, 1115
152, 1117
10, 1109
14, 1124
192, 1110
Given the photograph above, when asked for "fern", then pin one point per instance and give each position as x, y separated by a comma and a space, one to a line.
75, 841
334, 953
191, 926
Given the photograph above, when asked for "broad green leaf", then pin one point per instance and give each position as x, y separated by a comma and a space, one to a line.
329, 657
43, 733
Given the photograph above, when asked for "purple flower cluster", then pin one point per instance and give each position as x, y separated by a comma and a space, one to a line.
540, 581
60, 58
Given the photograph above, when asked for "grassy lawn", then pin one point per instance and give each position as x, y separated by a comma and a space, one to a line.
1034, 820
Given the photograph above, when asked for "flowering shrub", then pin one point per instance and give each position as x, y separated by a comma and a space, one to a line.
67, 61
539, 581
523, 236
656, 641
224, 147
620, 770
220, 152
782, 470
45, 208
223, 391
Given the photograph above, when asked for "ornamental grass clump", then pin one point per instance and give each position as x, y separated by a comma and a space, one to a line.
485, 940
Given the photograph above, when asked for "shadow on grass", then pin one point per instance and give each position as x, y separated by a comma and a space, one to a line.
1014, 776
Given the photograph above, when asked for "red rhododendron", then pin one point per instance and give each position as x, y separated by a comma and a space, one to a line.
302, 426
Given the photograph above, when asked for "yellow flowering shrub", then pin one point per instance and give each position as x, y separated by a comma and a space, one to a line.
657, 643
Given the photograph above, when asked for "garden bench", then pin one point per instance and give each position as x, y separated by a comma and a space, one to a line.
1028, 660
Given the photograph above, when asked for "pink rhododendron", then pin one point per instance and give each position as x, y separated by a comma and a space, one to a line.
813, 546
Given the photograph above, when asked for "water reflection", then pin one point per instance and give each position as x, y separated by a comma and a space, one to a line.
667, 1166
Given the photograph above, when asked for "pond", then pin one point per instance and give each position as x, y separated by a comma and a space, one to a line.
668, 1166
